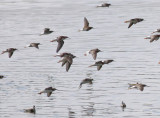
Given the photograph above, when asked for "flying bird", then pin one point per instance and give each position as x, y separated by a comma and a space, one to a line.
87, 80
158, 30
86, 25
48, 90
67, 60
104, 5
65, 54
10, 51
36, 45
93, 52
134, 21
138, 86
153, 38
99, 64
46, 31
60, 42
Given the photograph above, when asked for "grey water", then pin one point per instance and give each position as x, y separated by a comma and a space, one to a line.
30, 70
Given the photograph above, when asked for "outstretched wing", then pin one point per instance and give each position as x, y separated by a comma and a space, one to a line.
86, 23
36, 45
130, 24
60, 44
99, 67
94, 55
68, 65
49, 94
10, 54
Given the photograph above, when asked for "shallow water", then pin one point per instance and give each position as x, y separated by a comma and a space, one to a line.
30, 70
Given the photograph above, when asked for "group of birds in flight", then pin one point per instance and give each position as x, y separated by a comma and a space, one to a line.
67, 58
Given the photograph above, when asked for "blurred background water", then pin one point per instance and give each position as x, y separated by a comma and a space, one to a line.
30, 70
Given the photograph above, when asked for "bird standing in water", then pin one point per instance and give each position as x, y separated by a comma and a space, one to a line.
123, 105
32, 110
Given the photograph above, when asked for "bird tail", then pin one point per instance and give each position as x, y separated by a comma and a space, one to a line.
40, 92
148, 37
3, 52
126, 21
91, 65
59, 61
53, 40
153, 32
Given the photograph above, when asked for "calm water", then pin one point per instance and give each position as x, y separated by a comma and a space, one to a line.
30, 70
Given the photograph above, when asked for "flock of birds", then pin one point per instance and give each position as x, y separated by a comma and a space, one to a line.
67, 58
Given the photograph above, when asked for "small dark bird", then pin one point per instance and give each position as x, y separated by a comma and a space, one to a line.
68, 60
48, 90
158, 30
1, 76
133, 21
99, 64
104, 5
10, 51
60, 42
137, 86
36, 45
123, 105
46, 31
93, 52
65, 54
32, 110
87, 80
86, 25
153, 38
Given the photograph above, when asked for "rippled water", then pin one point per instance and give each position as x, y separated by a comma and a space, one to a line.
30, 70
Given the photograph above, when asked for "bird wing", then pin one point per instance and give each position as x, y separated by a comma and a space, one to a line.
36, 45
94, 55
153, 37
63, 63
108, 61
86, 23
130, 24
49, 94
68, 65
80, 84
60, 44
99, 67
141, 88
70, 60
46, 30
10, 54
